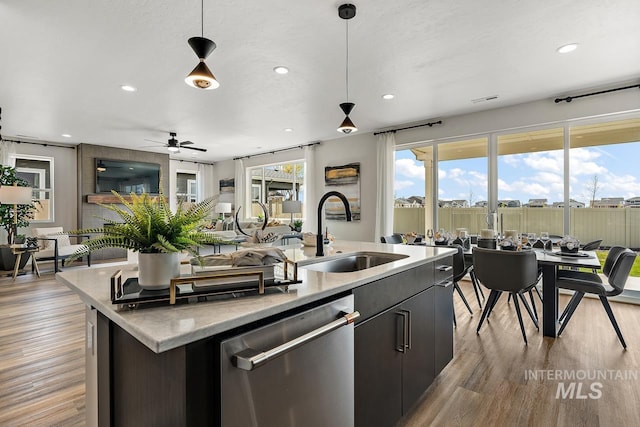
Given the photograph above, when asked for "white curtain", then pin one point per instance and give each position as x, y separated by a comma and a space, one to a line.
207, 185
310, 223
239, 188
384, 195
8, 153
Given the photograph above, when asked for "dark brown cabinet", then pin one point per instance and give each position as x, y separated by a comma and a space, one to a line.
400, 350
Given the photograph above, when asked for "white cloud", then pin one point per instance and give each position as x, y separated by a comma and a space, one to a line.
410, 168
455, 173
401, 185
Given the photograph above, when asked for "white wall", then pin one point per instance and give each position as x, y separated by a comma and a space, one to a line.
545, 111
361, 147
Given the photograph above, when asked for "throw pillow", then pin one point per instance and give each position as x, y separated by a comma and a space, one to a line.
63, 240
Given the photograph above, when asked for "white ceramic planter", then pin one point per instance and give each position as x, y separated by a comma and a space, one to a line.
155, 271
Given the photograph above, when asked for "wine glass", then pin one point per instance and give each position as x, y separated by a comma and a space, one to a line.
544, 236
430, 236
531, 237
462, 235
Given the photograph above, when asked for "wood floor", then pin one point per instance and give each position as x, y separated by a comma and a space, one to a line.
42, 365
485, 383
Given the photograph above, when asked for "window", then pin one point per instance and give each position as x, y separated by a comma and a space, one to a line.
273, 184
462, 185
187, 188
531, 181
38, 172
605, 182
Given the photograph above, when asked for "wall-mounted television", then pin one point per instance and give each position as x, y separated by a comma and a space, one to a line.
127, 177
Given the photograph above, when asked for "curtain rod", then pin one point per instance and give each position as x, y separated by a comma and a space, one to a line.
430, 124
278, 151
73, 147
571, 98
191, 161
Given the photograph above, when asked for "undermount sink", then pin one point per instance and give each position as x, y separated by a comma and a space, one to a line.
352, 262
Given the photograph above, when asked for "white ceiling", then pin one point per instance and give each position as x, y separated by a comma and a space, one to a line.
62, 64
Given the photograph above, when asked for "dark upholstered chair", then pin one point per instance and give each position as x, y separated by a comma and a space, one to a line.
617, 278
506, 271
593, 276
459, 271
394, 238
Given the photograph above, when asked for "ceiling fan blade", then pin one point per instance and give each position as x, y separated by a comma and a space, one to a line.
186, 142
204, 150
157, 142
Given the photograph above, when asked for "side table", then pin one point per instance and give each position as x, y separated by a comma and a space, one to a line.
19, 250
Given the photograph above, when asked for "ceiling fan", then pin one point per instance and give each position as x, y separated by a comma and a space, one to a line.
174, 145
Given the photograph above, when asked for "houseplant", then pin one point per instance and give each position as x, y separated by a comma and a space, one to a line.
297, 225
147, 225
9, 214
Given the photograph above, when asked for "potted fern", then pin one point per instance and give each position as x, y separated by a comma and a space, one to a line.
148, 226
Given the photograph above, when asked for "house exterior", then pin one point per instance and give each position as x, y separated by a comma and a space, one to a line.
608, 202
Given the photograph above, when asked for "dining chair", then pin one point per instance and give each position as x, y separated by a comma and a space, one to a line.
459, 271
506, 271
394, 238
611, 258
617, 278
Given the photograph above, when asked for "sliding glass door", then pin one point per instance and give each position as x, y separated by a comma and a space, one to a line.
530, 178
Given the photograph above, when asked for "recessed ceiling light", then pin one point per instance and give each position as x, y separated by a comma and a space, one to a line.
66, 135
281, 70
128, 88
288, 130
567, 48
388, 96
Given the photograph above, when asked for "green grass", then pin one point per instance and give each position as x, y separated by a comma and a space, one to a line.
635, 270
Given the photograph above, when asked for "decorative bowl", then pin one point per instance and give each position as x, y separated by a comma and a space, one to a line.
566, 249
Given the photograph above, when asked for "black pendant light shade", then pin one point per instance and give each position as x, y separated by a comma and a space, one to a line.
347, 107
201, 77
202, 46
347, 11
347, 125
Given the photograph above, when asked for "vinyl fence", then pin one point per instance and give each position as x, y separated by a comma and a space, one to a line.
615, 226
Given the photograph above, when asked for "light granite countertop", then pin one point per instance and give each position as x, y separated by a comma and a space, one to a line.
168, 327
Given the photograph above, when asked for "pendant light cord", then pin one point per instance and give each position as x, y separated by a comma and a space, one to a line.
202, 18
347, 60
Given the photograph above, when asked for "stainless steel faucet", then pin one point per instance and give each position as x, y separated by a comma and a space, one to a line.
319, 237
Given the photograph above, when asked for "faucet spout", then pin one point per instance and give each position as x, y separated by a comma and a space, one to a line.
319, 238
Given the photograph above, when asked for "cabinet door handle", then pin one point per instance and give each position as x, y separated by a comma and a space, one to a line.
408, 330
249, 359
401, 330
445, 267
445, 284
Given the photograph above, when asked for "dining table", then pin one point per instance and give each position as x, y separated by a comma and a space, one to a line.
549, 262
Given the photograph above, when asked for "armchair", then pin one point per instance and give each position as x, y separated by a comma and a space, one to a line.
56, 246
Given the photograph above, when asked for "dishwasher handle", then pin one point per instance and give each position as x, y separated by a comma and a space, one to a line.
250, 359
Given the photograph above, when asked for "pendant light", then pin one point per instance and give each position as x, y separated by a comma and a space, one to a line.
201, 77
347, 11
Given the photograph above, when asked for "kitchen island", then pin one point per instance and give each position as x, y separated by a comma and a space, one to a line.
165, 354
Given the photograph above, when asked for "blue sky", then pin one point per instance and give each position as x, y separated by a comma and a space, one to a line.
530, 176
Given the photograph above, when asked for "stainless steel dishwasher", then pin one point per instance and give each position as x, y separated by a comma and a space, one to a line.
297, 371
